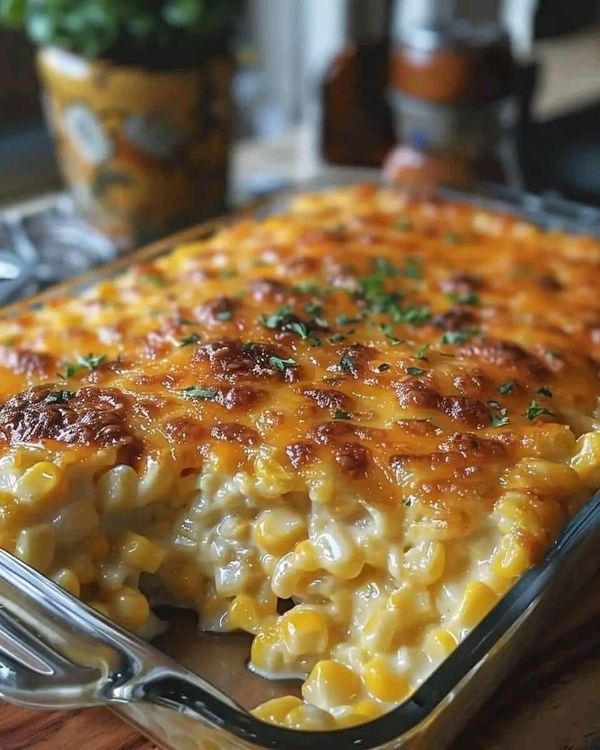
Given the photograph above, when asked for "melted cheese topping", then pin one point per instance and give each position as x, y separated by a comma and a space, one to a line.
378, 409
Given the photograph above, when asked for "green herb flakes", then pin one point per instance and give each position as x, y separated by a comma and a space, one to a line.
59, 397
281, 365
506, 388
534, 410
193, 338
340, 414
203, 394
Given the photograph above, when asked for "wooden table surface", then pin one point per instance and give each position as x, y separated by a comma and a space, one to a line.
550, 702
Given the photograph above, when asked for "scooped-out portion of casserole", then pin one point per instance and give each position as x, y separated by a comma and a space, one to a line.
347, 430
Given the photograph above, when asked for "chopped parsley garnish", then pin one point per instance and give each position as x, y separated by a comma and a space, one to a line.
282, 364
383, 367
90, 362
454, 238
195, 392
336, 338
285, 320
388, 330
341, 414
314, 341
59, 397
416, 371
464, 298
544, 391
313, 308
500, 418
506, 388
347, 320
228, 273
224, 315
422, 352
193, 338
403, 225
347, 363
415, 315
534, 410
458, 337
412, 269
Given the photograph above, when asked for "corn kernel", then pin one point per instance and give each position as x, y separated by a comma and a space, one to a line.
182, 578
38, 484
367, 708
277, 530
129, 608
309, 718
383, 682
477, 601
585, 462
439, 643
510, 558
83, 567
306, 556
304, 631
348, 716
263, 653
426, 561
141, 553
68, 580
35, 546
331, 684
244, 613
276, 710
380, 629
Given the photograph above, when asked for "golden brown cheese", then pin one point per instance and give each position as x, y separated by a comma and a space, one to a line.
364, 355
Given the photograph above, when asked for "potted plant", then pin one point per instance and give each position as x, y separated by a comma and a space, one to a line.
137, 96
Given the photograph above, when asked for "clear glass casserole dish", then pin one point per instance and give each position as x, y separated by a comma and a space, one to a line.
75, 657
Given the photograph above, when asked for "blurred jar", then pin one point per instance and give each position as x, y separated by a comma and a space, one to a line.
452, 95
144, 151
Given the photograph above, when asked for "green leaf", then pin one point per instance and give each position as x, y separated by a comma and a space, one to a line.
500, 418
534, 410
193, 338
282, 364
544, 391
458, 337
340, 414
12, 12
415, 371
347, 364
196, 392
59, 397
506, 388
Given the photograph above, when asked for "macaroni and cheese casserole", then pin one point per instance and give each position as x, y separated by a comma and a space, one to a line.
346, 430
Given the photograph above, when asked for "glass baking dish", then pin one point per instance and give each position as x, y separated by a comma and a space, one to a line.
190, 690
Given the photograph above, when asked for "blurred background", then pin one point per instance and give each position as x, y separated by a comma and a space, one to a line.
144, 116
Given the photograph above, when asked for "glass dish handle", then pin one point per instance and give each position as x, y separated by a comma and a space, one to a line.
55, 652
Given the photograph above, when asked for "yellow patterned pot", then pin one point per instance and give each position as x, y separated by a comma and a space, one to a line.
144, 151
